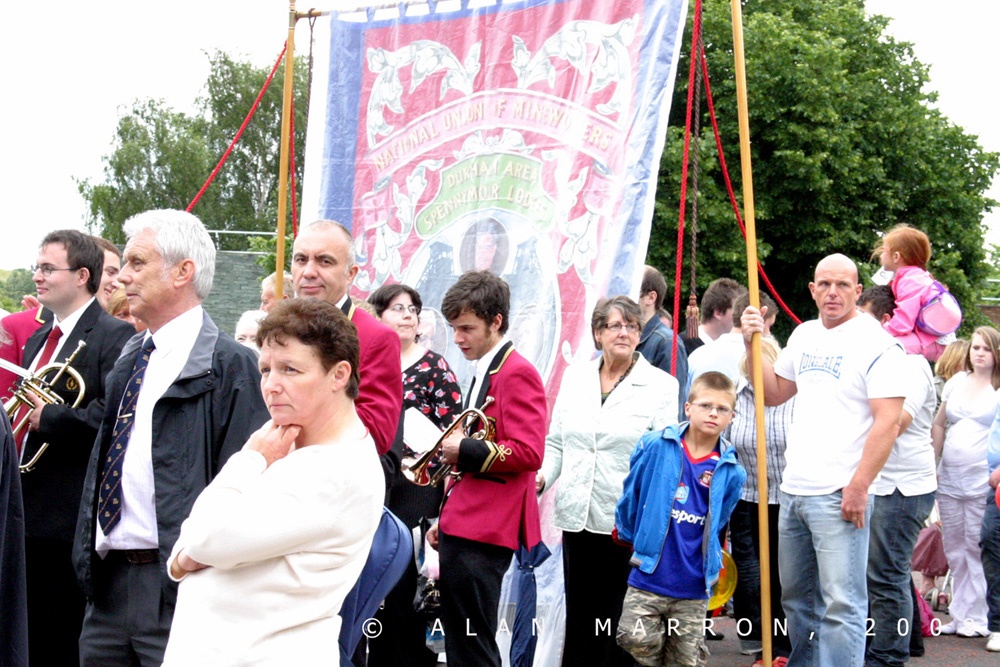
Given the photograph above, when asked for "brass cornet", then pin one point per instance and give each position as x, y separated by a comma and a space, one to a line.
420, 471
44, 389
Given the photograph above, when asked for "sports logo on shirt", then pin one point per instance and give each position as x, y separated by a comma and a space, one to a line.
682, 493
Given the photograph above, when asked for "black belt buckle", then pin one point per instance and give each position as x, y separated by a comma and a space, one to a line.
142, 556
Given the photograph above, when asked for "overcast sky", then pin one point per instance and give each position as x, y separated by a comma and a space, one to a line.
72, 67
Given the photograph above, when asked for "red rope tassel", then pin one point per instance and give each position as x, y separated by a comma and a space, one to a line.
695, 41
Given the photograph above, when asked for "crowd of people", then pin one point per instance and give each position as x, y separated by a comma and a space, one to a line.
196, 498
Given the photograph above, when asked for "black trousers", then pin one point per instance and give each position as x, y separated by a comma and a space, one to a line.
403, 640
471, 575
128, 621
596, 572
744, 531
55, 603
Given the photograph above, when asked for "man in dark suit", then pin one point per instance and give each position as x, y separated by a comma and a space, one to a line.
67, 276
323, 267
492, 507
182, 398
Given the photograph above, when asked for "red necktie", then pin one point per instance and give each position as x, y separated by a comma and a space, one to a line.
22, 412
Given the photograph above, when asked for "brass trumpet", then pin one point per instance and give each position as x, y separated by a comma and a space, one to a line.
44, 389
420, 471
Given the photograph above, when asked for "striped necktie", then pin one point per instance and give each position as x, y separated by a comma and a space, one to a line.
109, 503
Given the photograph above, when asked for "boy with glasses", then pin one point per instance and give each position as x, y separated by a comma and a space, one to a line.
682, 486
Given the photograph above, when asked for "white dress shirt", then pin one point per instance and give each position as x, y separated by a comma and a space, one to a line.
482, 365
137, 527
66, 326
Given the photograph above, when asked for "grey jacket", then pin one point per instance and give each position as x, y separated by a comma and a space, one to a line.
204, 417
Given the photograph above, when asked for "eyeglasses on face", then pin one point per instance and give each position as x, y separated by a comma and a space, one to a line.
617, 327
400, 308
708, 408
47, 269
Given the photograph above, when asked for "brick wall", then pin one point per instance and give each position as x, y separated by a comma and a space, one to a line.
236, 288
992, 312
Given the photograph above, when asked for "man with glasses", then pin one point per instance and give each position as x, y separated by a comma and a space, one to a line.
849, 378
67, 277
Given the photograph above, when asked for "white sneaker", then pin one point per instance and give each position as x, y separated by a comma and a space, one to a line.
948, 628
970, 630
993, 644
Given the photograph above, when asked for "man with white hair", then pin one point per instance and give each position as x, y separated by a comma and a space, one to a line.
181, 399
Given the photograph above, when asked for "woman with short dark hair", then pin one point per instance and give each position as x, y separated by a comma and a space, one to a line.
277, 540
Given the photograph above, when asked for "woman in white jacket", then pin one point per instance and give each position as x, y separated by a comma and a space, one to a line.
604, 407
277, 540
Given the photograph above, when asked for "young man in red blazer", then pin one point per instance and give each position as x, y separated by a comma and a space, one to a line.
491, 507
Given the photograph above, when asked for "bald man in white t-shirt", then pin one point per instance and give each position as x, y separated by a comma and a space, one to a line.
845, 371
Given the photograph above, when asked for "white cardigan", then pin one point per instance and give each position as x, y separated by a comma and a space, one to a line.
589, 444
285, 545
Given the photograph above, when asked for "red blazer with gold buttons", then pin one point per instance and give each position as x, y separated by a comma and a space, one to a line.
494, 500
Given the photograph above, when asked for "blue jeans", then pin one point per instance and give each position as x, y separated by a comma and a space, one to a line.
896, 521
821, 557
989, 542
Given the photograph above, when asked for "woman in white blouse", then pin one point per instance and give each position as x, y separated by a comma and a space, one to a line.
959, 433
277, 540
604, 407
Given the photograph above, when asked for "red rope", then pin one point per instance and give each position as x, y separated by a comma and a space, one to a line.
239, 133
695, 40
729, 187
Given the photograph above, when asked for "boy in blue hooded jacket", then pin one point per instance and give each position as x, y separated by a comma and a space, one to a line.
682, 486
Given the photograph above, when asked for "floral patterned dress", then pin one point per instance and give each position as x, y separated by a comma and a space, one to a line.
431, 387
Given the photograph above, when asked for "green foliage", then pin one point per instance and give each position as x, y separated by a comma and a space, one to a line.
268, 245
16, 284
991, 291
162, 157
844, 145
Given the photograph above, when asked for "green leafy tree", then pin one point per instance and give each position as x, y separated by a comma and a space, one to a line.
845, 144
161, 157
19, 282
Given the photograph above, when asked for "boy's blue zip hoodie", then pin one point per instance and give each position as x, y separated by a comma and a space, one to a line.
643, 513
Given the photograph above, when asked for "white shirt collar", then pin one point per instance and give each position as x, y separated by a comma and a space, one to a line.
483, 363
67, 325
178, 333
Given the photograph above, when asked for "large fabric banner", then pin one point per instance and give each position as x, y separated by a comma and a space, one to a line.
521, 137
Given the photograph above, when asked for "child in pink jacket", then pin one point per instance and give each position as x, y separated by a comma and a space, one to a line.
905, 251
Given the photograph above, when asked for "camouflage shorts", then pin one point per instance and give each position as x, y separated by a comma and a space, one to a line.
659, 630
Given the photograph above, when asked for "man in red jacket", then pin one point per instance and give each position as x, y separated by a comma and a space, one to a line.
491, 508
323, 267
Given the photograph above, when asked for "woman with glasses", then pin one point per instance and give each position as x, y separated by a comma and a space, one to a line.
430, 387
604, 407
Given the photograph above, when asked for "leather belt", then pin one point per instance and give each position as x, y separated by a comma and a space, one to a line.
138, 556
